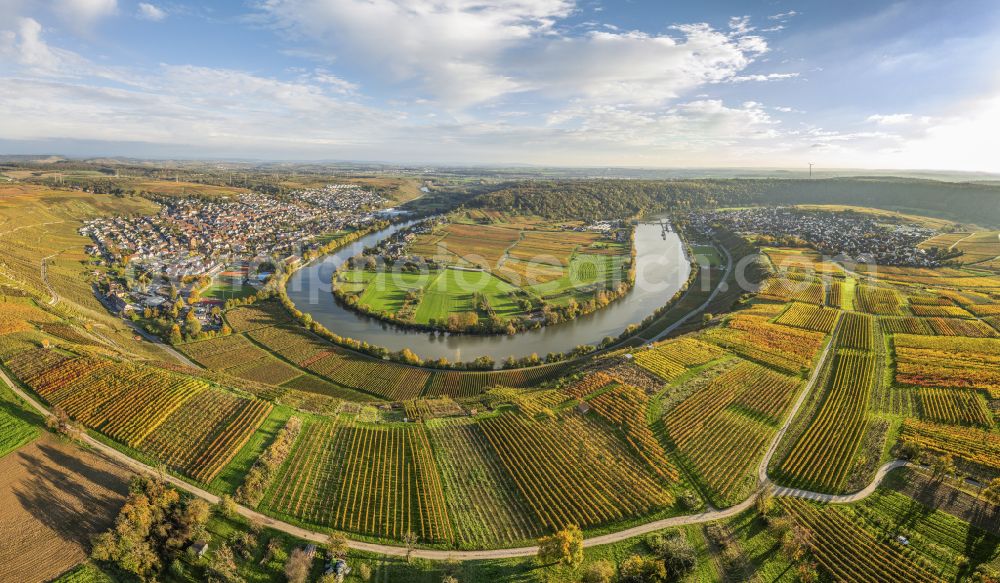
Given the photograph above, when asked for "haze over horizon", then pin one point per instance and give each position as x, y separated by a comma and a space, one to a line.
887, 85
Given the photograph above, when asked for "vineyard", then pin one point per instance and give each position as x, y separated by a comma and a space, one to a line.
482, 500
848, 552
939, 311
856, 331
810, 317
974, 446
783, 347
671, 359
206, 432
957, 327
471, 383
571, 472
180, 421
948, 361
798, 290
626, 407
904, 325
825, 453
955, 407
376, 481
124, 401
722, 430
877, 300
590, 383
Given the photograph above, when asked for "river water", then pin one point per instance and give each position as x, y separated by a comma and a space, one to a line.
661, 269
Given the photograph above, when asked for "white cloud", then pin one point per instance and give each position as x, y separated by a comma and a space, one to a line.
151, 12
467, 52
783, 16
898, 119
447, 45
26, 47
82, 14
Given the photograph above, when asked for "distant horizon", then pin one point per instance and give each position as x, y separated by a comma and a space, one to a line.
551, 83
818, 172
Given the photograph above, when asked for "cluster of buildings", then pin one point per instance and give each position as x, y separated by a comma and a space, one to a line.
861, 237
192, 241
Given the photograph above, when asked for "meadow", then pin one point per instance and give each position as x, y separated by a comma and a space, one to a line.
504, 271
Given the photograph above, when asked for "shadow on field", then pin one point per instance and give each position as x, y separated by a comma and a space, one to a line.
68, 494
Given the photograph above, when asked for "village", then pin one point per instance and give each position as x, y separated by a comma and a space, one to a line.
195, 254
860, 238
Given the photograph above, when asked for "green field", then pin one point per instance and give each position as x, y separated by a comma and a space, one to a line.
707, 255
227, 288
17, 426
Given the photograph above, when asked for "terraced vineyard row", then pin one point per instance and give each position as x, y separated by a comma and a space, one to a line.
952, 361
669, 360
960, 327
626, 407
783, 347
714, 434
482, 500
975, 446
857, 330
904, 325
181, 421
571, 473
125, 402
810, 317
824, 454
848, 552
377, 481
947, 311
470, 383
206, 432
877, 300
788, 289
955, 407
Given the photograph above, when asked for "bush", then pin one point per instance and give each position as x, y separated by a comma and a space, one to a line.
599, 572
679, 557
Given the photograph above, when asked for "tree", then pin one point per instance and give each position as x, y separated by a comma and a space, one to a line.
942, 466
564, 547
222, 566
991, 493
795, 542
227, 507
410, 541
337, 545
642, 569
679, 557
154, 526
175, 334
297, 567
192, 324
599, 572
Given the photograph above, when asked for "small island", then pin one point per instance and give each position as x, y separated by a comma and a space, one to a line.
486, 272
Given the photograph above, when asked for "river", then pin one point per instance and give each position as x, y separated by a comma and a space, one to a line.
661, 269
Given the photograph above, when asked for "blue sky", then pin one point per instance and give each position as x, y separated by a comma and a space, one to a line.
768, 83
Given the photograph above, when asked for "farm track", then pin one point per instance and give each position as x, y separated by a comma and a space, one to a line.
444, 555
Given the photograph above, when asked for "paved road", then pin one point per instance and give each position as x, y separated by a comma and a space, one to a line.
762, 479
445, 555
154, 339
702, 307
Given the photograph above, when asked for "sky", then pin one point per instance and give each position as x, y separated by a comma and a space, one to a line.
633, 83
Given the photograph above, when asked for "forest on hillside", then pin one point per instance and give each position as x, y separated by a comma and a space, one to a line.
965, 202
